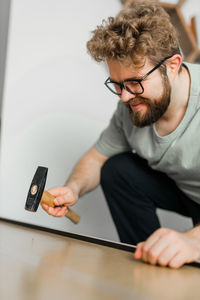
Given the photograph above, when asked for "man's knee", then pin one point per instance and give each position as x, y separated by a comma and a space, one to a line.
114, 167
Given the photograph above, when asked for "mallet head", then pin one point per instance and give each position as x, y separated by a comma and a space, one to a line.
36, 189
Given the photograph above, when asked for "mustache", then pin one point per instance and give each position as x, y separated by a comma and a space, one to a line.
136, 101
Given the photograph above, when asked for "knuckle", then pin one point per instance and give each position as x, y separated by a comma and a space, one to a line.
51, 211
174, 265
58, 216
145, 250
151, 253
161, 261
171, 234
162, 230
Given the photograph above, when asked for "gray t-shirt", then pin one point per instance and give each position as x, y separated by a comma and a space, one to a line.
176, 154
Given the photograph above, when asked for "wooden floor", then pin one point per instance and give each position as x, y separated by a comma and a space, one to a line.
36, 265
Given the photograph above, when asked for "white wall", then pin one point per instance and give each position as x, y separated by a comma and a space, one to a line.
4, 19
55, 106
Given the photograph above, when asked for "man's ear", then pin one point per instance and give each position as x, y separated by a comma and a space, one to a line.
173, 65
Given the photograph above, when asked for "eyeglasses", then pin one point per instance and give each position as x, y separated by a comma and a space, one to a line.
133, 86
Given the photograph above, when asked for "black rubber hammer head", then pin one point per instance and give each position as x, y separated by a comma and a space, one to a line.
37, 193
36, 189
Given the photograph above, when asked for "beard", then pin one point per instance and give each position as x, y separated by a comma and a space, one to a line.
155, 107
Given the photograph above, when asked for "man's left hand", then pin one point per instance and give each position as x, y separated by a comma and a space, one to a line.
168, 247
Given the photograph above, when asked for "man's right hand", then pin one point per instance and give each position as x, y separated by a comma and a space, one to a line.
64, 197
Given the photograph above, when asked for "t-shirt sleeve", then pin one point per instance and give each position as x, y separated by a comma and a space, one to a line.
113, 140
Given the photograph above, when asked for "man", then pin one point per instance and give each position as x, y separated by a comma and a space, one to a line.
149, 155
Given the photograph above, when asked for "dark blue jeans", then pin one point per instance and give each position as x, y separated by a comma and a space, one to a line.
133, 192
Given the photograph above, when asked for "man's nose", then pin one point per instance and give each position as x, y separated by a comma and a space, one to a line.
126, 96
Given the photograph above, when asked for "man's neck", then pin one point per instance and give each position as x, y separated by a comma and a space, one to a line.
178, 105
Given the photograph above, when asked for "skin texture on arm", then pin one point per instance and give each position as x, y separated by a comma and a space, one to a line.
170, 248
84, 178
86, 174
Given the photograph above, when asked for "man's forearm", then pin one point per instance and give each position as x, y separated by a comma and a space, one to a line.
86, 174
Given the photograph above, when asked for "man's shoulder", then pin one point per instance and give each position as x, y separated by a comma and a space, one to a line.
194, 71
192, 67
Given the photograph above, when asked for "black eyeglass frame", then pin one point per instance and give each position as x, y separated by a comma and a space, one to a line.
122, 86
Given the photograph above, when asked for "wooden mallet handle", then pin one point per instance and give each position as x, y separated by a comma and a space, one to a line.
48, 199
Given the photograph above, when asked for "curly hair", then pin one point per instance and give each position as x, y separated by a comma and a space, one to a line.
142, 30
